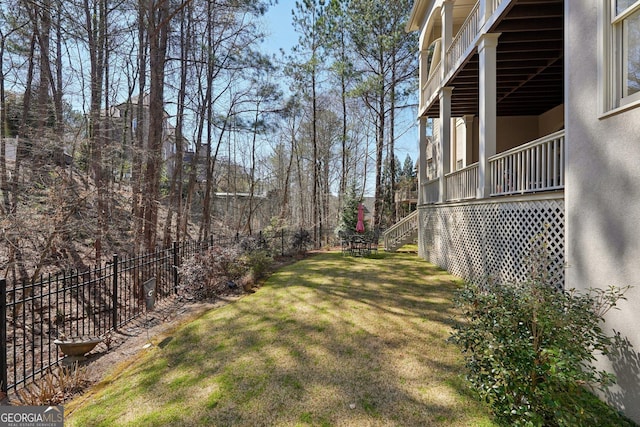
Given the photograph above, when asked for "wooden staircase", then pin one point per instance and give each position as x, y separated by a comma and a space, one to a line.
403, 232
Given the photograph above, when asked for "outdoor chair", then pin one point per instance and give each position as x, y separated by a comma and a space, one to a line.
373, 239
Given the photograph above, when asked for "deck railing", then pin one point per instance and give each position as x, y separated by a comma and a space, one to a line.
460, 44
493, 5
462, 184
405, 194
432, 85
398, 234
430, 191
464, 38
535, 166
532, 167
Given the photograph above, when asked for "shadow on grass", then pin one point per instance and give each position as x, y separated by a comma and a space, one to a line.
330, 340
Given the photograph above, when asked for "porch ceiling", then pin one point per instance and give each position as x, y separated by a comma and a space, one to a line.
530, 63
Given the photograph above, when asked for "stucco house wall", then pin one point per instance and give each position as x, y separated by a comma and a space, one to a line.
602, 195
514, 131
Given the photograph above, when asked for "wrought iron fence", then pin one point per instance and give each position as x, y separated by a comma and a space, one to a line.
93, 302
79, 304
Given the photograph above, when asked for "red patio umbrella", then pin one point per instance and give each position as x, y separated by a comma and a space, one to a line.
360, 224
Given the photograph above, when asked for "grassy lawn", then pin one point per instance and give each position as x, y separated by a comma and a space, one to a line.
328, 341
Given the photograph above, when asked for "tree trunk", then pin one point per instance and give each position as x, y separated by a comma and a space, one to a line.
377, 213
96, 30
175, 189
158, 16
392, 119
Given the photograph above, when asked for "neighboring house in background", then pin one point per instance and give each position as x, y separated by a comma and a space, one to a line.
231, 201
124, 124
536, 114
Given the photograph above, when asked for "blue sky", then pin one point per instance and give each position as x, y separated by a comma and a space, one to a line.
282, 35
278, 21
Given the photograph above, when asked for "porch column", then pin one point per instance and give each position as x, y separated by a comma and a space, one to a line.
447, 34
424, 74
422, 162
487, 108
444, 159
468, 130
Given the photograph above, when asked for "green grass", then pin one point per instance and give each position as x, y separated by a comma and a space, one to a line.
328, 341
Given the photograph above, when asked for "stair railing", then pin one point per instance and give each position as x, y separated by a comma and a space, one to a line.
394, 236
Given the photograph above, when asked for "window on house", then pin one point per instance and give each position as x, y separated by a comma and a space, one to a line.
625, 73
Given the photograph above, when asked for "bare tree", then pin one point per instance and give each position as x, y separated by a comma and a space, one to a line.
308, 22
386, 63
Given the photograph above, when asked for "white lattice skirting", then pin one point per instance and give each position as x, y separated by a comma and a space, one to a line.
492, 240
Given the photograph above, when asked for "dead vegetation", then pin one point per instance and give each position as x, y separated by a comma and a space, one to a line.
56, 386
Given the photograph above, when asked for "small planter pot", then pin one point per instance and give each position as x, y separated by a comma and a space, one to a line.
75, 349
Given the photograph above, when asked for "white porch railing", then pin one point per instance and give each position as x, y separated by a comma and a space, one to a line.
401, 233
532, 167
430, 191
493, 5
535, 166
432, 85
462, 184
460, 45
464, 38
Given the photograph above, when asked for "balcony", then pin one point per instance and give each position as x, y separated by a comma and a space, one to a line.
529, 168
533, 167
431, 87
462, 184
461, 46
464, 41
430, 191
529, 57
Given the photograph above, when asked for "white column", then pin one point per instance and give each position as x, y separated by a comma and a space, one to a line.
424, 75
468, 130
444, 158
487, 108
422, 162
447, 34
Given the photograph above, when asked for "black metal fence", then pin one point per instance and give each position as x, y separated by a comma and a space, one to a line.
74, 304
93, 302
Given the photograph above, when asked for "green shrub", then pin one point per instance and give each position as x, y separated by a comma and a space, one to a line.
211, 273
301, 241
529, 349
259, 262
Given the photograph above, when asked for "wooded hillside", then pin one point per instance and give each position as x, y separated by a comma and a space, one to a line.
130, 124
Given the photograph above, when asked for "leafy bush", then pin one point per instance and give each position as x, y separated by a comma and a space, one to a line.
259, 262
349, 214
253, 243
529, 349
301, 241
208, 274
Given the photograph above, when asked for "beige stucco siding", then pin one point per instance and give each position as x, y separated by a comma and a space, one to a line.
602, 196
514, 131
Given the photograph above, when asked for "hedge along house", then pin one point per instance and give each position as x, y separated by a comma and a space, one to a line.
534, 107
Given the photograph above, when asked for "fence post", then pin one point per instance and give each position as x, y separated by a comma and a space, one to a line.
114, 314
4, 378
176, 264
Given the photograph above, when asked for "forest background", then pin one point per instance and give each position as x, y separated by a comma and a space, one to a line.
129, 124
